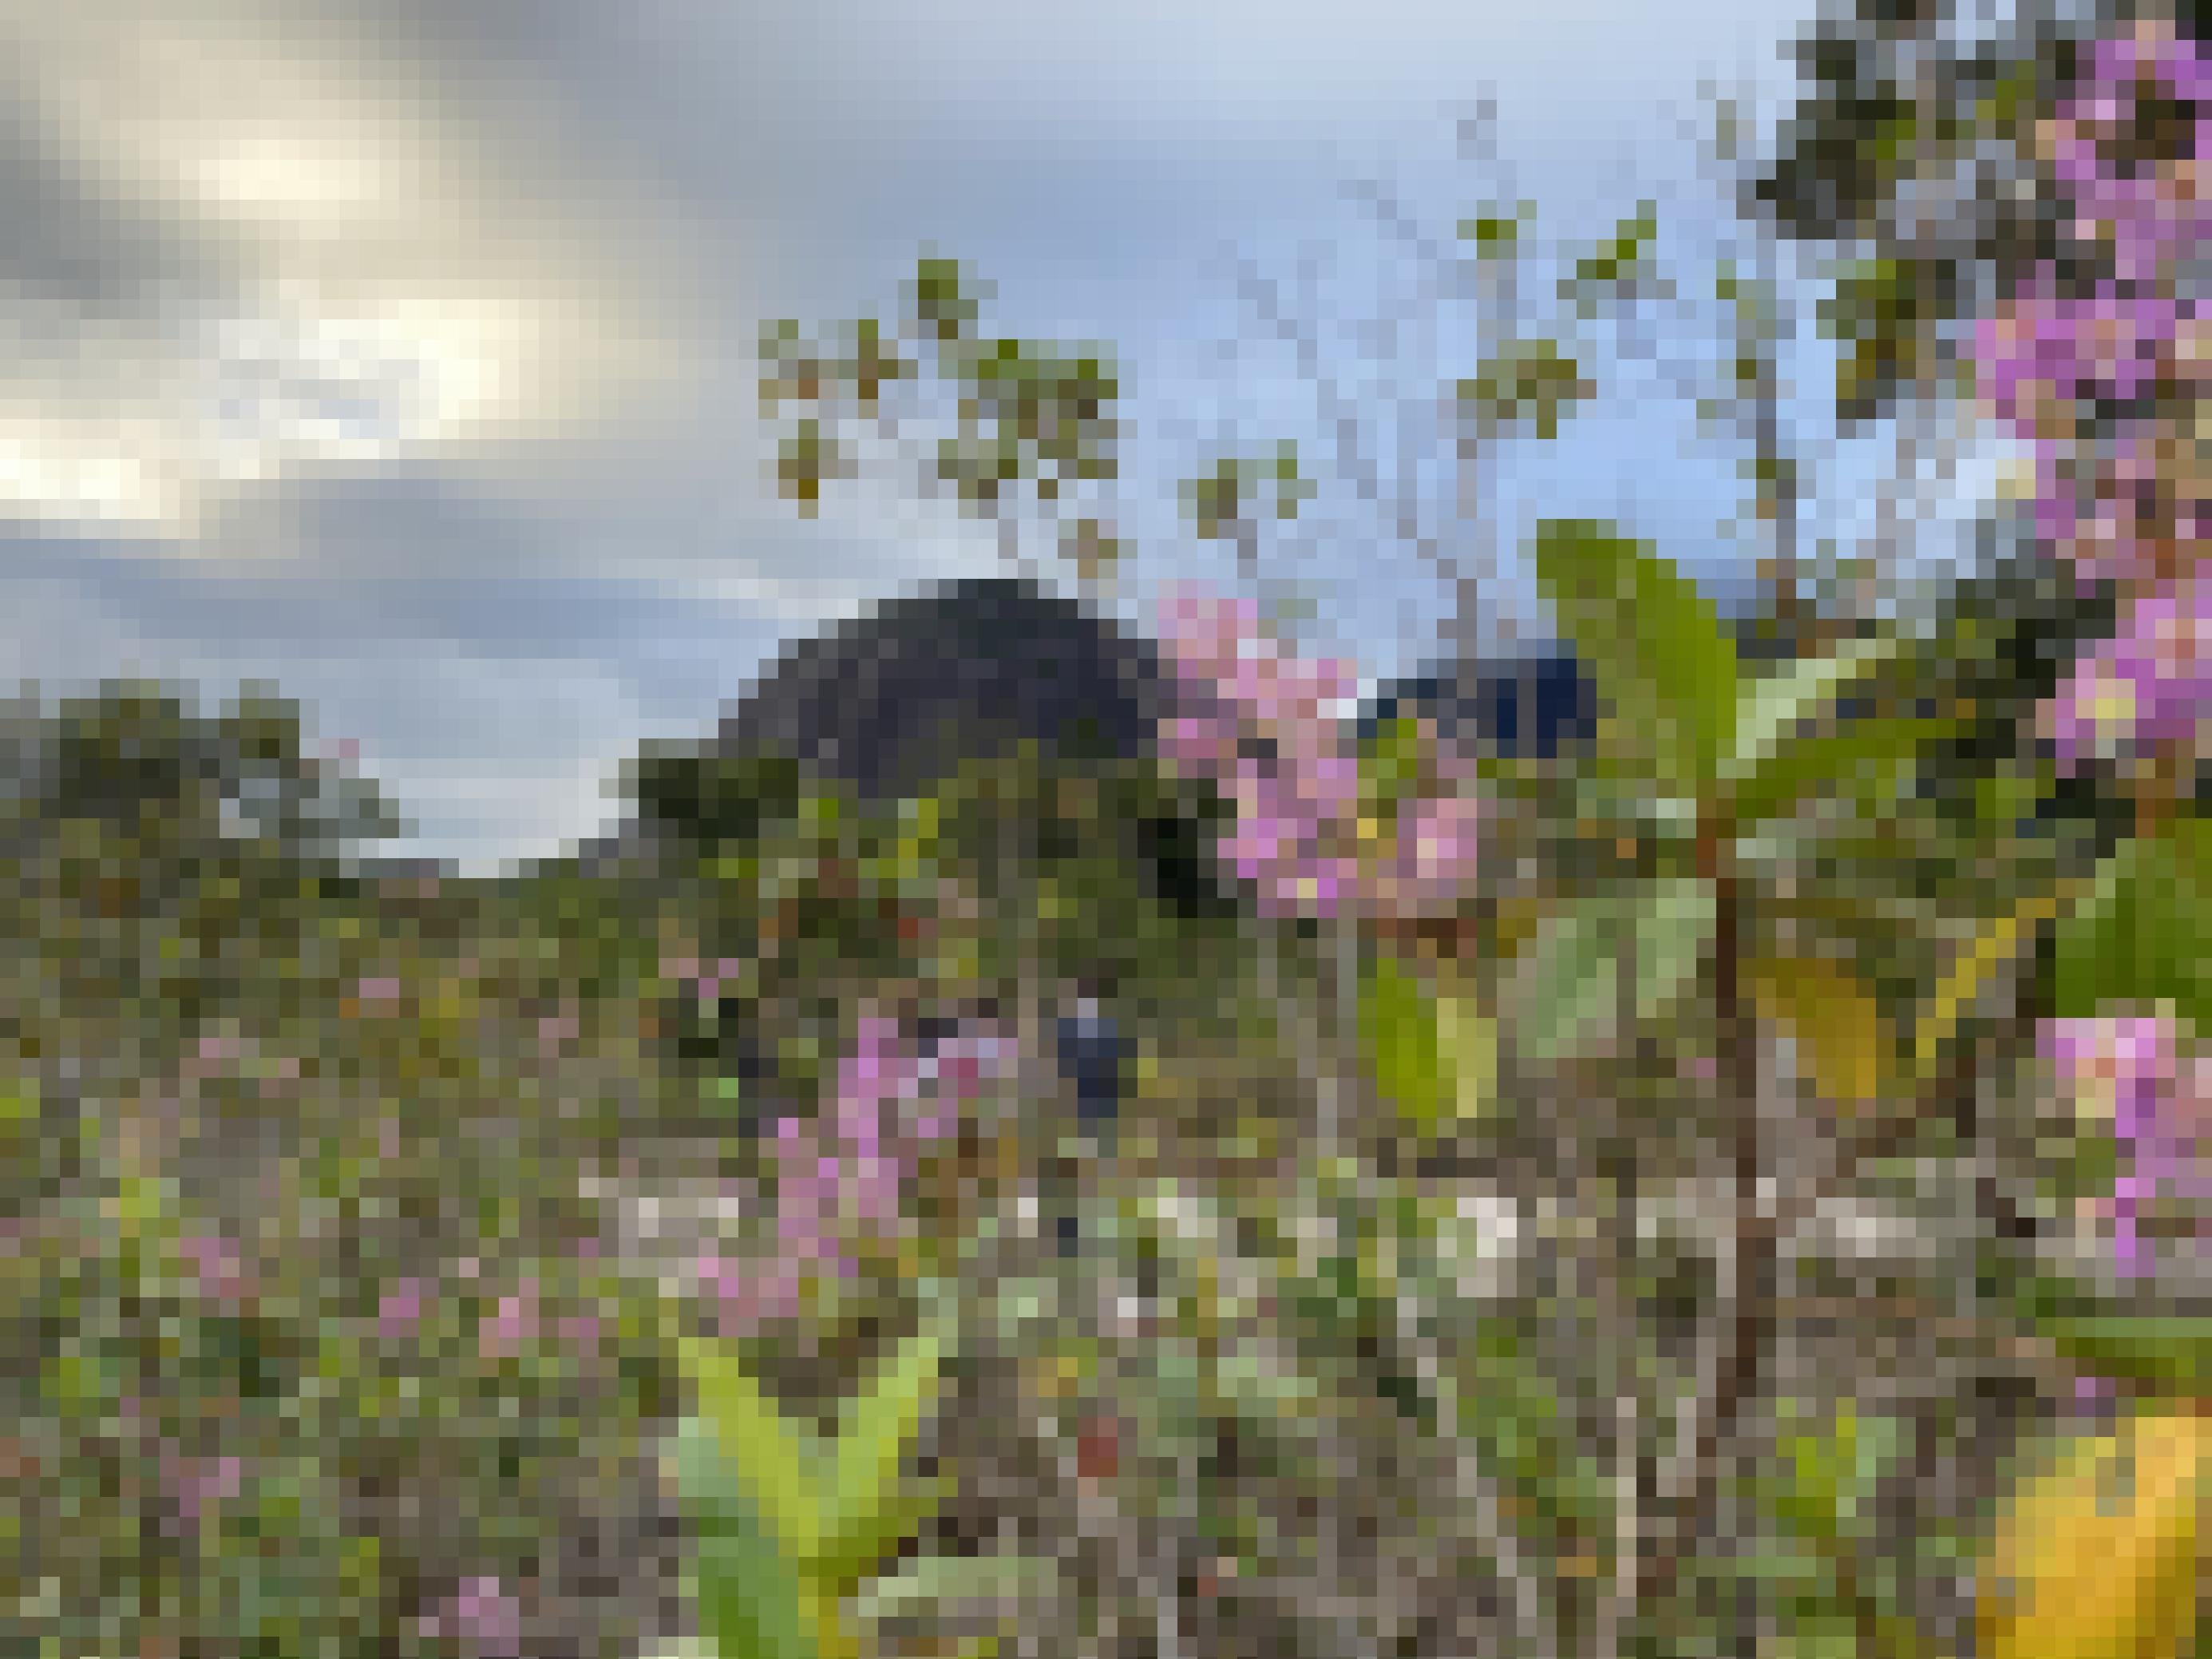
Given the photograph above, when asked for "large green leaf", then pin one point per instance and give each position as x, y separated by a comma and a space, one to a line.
1564, 997
775, 1462
869, 1504
2139, 937
1428, 1050
1654, 643
1770, 758
752, 1602
1675, 922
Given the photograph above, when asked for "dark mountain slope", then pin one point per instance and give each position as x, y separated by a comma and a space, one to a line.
886, 702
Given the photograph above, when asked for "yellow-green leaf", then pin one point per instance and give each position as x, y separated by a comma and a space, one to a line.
1775, 711
752, 1602
868, 1502
1843, 1040
776, 1462
1405, 1052
1467, 1042
1955, 995
2099, 1557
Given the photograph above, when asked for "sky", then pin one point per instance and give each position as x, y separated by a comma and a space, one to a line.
399, 355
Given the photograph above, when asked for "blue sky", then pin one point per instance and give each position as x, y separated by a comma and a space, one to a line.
400, 354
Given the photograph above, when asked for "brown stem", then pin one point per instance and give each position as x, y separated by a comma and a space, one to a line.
1745, 1320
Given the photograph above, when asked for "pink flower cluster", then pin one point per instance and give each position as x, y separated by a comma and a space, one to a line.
2148, 207
2145, 688
2158, 1097
2106, 384
1268, 728
841, 1177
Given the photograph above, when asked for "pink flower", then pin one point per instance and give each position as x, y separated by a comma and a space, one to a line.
2130, 1069
1267, 728
2147, 687
749, 1294
195, 1483
483, 1617
400, 1311
515, 1323
842, 1176
220, 1274
2150, 204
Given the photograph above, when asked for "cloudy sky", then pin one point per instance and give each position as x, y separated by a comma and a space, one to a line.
399, 354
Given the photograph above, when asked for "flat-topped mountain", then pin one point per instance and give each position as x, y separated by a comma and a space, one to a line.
889, 700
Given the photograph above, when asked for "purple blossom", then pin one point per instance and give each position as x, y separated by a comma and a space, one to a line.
401, 1310
2130, 1070
483, 1616
2145, 688
2149, 205
195, 1483
2041, 349
1269, 729
220, 1274
841, 1177
514, 1323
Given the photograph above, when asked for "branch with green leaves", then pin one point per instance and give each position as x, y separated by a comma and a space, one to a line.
1026, 414
793, 1526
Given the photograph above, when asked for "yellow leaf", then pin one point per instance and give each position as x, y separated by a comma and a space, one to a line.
1468, 1040
1955, 995
1843, 1040
2097, 1559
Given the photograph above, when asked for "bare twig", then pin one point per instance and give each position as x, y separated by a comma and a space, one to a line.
1477, 1499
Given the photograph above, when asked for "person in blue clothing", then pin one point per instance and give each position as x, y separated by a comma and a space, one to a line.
1093, 1054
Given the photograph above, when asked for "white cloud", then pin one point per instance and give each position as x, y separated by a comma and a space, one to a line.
327, 258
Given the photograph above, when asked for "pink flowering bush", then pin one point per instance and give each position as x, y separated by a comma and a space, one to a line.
1270, 729
2105, 379
841, 1178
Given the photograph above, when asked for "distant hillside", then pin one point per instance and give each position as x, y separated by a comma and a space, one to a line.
891, 699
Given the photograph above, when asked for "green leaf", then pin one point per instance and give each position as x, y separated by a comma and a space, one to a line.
1527, 384
1405, 1055
953, 1587
2139, 937
869, 1505
775, 1462
753, 1603
1777, 713
1665, 666
1563, 995
1674, 922
1999, 941
2170, 1353
1865, 762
